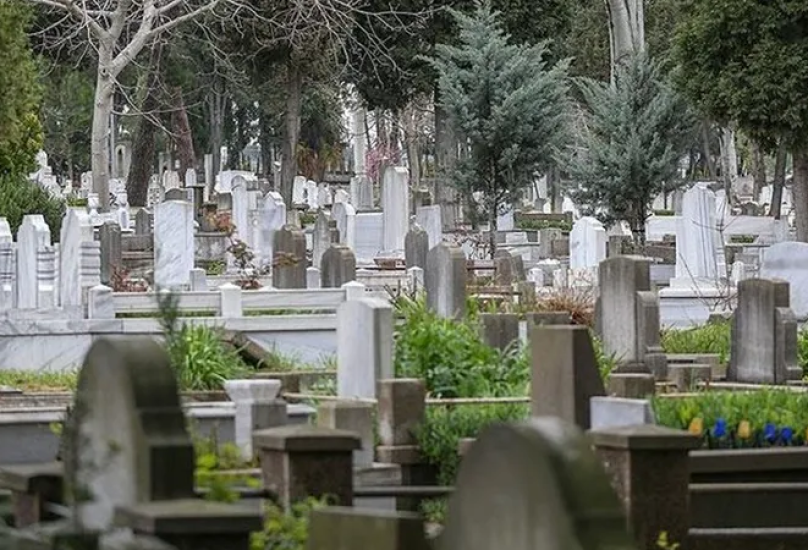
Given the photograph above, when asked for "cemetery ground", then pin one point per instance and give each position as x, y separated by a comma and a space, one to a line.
465, 385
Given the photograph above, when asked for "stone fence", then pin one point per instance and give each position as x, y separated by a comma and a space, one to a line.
229, 301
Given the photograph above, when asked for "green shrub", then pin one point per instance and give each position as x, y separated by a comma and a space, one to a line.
709, 338
802, 350
19, 197
443, 428
451, 358
771, 417
286, 531
197, 353
527, 224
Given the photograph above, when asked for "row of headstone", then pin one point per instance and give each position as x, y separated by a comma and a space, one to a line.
37, 275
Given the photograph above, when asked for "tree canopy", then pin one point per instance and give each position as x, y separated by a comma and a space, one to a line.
631, 138
20, 130
747, 61
505, 101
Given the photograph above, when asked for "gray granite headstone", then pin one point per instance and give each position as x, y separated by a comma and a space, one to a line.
126, 441
534, 485
445, 280
289, 261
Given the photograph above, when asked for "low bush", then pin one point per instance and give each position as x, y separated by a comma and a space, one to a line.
19, 197
451, 358
763, 418
709, 338
198, 354
444, 426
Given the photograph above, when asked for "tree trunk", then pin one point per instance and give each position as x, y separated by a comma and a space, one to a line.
705, 150
216, 102
183, 139
626, 29
294, 92
446, 155
99, 141
799, 190
729, 160
492, 227
779, 180
144, 145
758, 170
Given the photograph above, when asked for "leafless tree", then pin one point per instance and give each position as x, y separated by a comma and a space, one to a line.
118, 30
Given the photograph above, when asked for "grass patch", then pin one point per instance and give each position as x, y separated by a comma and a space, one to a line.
709, 338
39, 381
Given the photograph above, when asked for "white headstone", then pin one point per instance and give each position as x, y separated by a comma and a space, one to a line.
429, 218
273, 218
190, 177
789, 261
34, 236
76, 229
587, 243
240, 215
368, 235
299, 190
698, 241
311, 195
8, 268
173, 243
505, 219
395, 207
345, 216
364, 346
341, 195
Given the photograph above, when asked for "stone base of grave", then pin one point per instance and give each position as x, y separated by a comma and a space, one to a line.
192, 524
685, 377
632, 385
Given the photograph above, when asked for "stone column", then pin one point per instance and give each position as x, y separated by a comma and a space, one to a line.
257, 408
400, 410
352, 416
31, 487
298, 462
649, 469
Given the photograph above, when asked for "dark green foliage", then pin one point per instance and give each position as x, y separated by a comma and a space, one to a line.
391, 80
67, 114
747, 61
20, 131
506, 101
19, 197
632, 137
450, 357
444, 427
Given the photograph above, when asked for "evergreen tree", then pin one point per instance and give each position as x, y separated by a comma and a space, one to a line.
631, 138
20, 131
508, 105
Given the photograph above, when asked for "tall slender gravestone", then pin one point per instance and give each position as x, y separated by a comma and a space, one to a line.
289, 258
445, 281
628, 320
764, 334
337, 267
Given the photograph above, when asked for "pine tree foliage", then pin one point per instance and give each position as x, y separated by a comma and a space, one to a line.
20, 131
509, 105
629, 142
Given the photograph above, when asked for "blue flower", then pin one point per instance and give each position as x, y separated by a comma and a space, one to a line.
769, 432
720, 428
787, 433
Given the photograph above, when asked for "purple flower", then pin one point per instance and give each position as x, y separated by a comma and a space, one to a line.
769, 432
720, 428
787, 433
